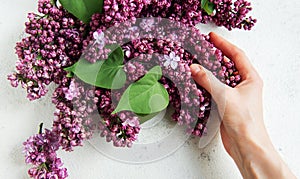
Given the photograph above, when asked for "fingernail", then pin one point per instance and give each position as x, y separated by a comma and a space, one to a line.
195, 69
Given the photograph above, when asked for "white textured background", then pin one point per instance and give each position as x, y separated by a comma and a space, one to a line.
274, 48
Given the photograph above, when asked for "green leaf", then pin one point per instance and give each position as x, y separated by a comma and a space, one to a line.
146, 96
208, 6
111, 74
82, 9
107, 73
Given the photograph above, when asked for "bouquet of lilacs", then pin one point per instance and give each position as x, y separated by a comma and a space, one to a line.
120, 60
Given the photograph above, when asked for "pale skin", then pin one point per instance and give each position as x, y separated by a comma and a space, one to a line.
243, 132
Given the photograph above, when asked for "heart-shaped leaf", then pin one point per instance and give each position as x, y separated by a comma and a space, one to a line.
83, 9
107, 73
207, 6
146, 96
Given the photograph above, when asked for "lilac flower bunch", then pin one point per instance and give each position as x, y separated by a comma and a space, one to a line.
75, 106
40, 151
53, 42
233, 14
225, 12
57, 39
175, 62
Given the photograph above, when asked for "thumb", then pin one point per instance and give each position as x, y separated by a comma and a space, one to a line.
209, 82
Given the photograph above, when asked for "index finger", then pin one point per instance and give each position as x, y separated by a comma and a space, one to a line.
235, 54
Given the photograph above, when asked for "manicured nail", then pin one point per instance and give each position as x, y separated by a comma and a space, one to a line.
195, 69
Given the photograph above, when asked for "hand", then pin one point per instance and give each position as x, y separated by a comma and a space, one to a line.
243, 132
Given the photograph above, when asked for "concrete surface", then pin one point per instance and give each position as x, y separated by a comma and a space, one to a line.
273, 47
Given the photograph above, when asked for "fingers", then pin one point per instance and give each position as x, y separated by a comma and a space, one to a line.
235, 54
209, 82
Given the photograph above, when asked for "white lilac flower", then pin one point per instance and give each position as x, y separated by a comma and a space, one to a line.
99, 39
171, 60
131, 122
72, 91
147, 24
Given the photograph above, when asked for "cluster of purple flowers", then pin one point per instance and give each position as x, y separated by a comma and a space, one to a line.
40, 151
226, 12
180, 46
233, 15
56, 39
75, 106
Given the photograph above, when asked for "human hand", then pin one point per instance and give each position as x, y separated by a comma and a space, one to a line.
243, 132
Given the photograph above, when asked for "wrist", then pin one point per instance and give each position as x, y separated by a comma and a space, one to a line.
257, 158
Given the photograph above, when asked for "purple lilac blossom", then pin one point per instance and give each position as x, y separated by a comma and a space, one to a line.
203, 52
40, 152
56, 40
